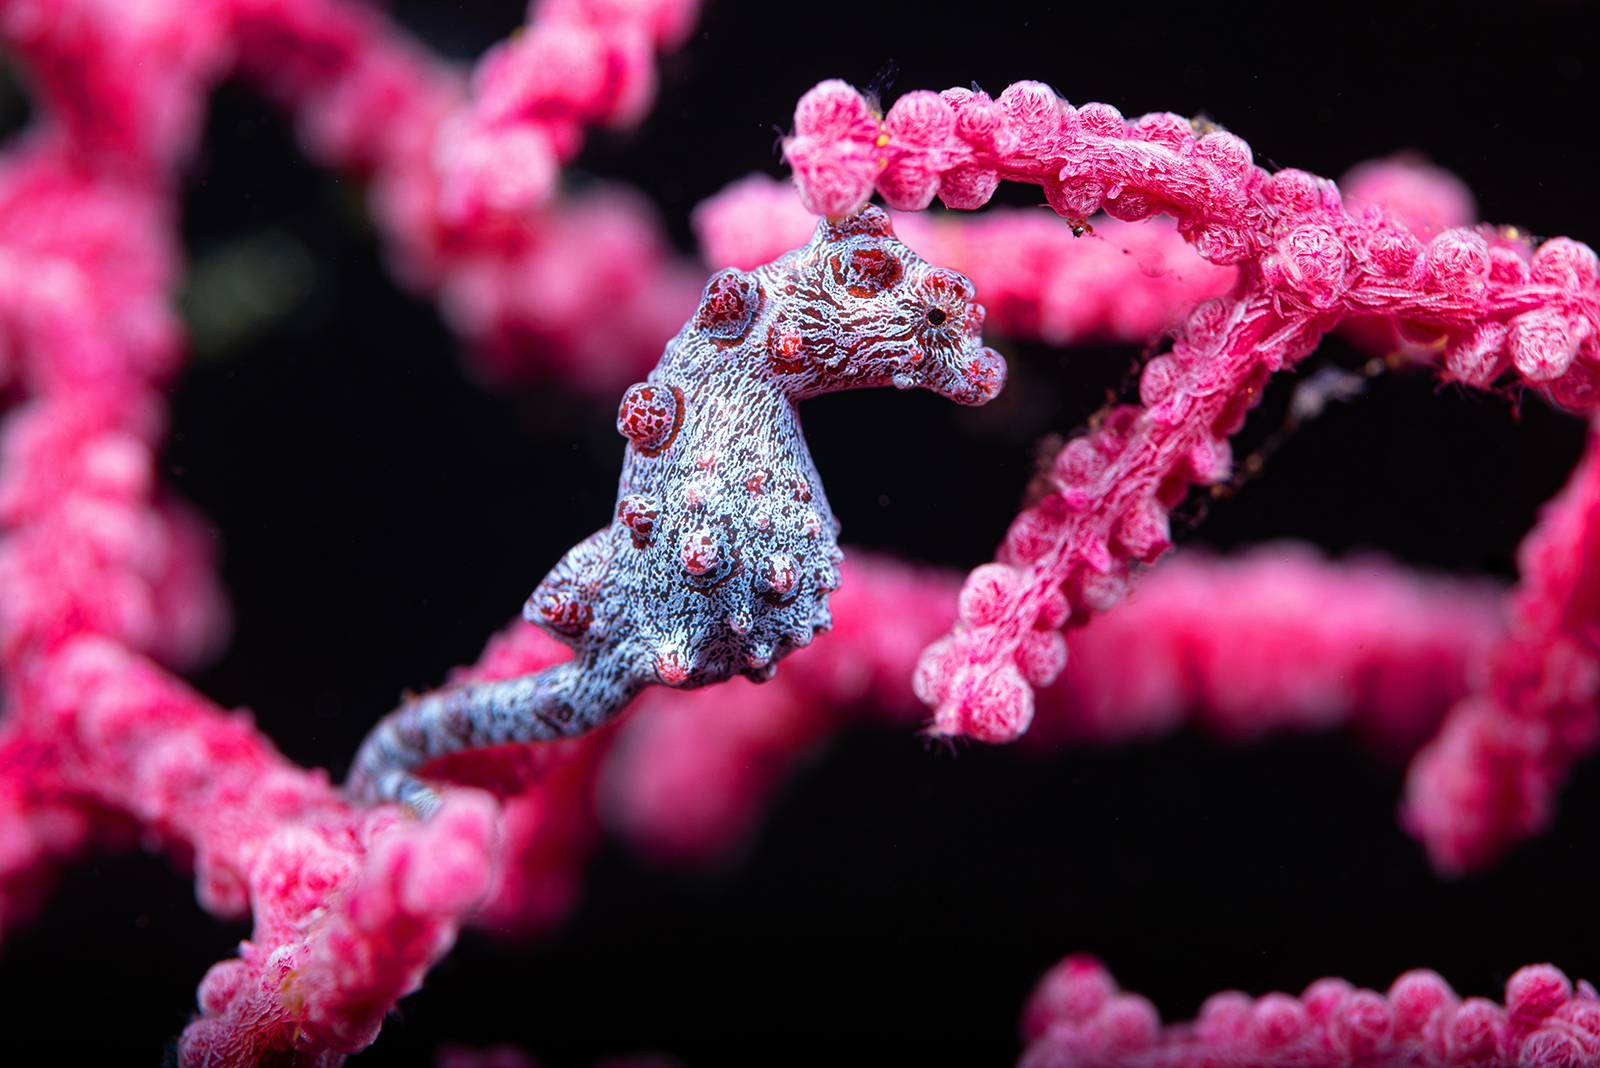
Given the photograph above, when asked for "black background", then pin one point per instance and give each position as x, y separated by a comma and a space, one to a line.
381, 515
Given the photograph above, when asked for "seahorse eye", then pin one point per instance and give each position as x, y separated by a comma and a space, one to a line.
937, 317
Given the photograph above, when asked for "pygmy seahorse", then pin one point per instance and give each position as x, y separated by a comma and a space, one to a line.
723, 550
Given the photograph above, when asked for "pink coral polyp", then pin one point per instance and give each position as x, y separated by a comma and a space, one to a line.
1077, 1016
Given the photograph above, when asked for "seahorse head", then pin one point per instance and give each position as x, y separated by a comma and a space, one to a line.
853, 308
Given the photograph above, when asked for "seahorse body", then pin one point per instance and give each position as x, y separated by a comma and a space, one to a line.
721, 554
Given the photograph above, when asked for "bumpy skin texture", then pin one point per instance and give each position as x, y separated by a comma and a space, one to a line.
722, 553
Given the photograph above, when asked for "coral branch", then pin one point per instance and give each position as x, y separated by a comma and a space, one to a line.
1490, 778
96, 569
1077, 1016
1497, 305
1037, 278
351, 907
1044, 278
1275, 639
581, 63
42, 825
463, 185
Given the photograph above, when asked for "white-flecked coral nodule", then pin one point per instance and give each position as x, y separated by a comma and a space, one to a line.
722, 550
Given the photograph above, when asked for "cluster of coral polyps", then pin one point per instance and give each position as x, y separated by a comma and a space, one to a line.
1077, 1018
1500, 308
106, 582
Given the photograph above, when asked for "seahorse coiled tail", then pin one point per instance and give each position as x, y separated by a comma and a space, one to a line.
722, 549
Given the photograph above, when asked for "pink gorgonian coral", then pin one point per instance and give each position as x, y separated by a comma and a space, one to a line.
719, 557
1501, 309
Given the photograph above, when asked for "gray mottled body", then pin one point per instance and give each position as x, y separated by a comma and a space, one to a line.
722, 552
